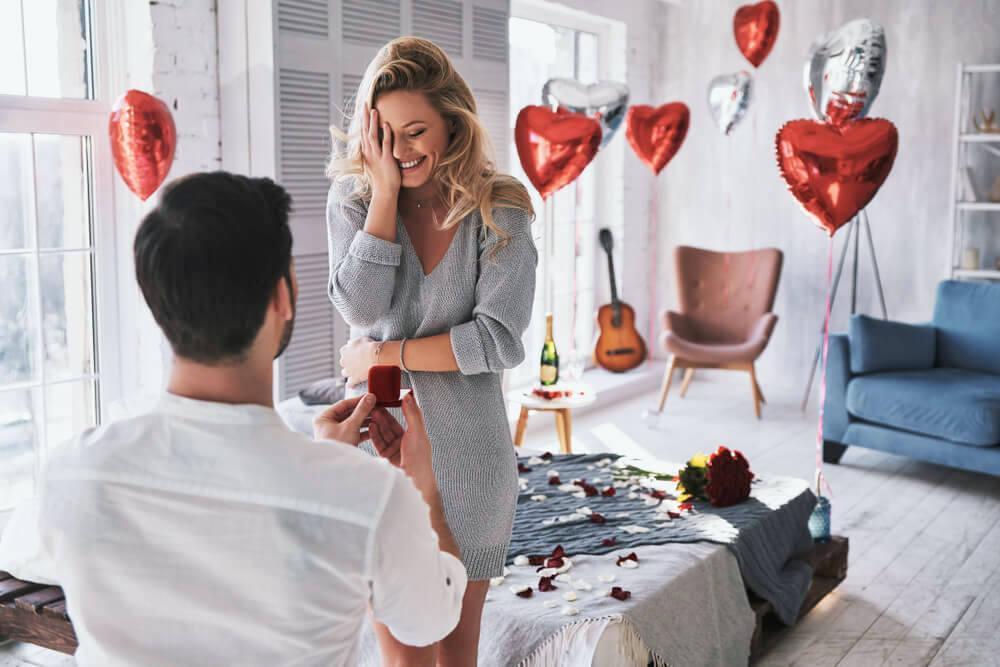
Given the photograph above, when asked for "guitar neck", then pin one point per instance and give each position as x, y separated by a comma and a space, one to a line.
611, 275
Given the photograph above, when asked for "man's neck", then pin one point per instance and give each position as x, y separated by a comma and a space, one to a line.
241, 383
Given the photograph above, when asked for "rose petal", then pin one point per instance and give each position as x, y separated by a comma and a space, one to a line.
582, 585
496, 581
558, 552
521, 591
674, 515
659, 495
569, 596
545, 585
634, 530
539, 497
554, 480
629, 564
608, 492
580, 494
547, 456
567, 488
597, 518
609, 542
535, 461
586, 511
630, 558
686, 506
618, 593
565, 578
536, 560
522, 560
522, 468
569, 610
606, 578
552, 473
554, 561
548, 604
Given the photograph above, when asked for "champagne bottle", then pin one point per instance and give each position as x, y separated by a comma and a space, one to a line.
550, 358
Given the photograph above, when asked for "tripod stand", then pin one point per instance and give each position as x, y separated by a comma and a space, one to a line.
854, 228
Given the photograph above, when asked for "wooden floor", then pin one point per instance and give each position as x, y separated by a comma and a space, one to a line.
924, 580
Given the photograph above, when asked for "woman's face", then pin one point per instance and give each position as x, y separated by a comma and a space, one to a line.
419, 134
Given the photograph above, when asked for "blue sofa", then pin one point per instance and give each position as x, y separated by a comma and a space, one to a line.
928, 391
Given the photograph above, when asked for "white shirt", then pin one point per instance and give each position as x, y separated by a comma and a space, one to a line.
210, 534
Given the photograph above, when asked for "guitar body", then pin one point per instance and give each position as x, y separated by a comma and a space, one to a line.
619, 347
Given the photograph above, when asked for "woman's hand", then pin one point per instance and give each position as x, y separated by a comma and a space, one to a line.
381, 165
356, 358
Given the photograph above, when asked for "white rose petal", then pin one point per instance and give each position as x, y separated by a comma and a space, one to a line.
579, 494
622, 515
586, 511
651, 501
629, 564
506, 570
606, 578
568, 487
569, 596
549, 604
521, 560
518, 589
604, 462
548, 572
488, 597
621, 485
539, 497
590, 467
553, 473
634, 530
496, 581
535, 461
582, 585
570, 610
564, 578
567, 564
632, 495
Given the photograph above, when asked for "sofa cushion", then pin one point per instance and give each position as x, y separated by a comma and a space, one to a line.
883, 345
967, 317
949, 403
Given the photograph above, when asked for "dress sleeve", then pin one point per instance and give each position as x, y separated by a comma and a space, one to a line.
505, 292
417, 589
362, 266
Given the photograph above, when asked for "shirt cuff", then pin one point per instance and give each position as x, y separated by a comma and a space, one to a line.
371, 248
468, 348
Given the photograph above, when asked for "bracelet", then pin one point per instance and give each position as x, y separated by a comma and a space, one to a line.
378, 350
402, 345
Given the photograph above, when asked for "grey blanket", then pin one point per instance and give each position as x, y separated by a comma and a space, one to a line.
767, 532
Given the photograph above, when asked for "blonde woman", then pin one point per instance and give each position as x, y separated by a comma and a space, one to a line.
433, 264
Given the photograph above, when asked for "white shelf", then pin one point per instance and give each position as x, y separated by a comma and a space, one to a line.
981, 69
981, 274
978, 206
981, 138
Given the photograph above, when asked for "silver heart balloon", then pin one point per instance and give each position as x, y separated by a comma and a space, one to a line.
604, 101
729, 98
844, 71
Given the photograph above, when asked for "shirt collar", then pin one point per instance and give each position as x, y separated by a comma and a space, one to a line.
212, 411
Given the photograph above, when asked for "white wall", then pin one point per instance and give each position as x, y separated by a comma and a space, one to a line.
725, 192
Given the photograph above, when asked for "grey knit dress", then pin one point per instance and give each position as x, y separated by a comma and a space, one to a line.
485, 304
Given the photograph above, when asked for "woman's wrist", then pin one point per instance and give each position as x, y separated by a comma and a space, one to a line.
388, 353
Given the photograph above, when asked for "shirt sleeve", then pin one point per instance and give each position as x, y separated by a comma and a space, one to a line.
362, 266
417, 589
505, 292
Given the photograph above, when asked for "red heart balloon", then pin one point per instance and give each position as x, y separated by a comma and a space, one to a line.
756, 30
656, 134
554, 146
835, 171
143, 140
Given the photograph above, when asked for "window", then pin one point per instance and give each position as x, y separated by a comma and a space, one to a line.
545, 46
54, 187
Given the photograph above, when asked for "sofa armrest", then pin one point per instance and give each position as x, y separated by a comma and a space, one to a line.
883, 345
838, 374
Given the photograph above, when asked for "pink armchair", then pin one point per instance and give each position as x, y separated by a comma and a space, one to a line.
725, 318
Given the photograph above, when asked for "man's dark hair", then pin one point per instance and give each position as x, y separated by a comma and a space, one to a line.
208, 259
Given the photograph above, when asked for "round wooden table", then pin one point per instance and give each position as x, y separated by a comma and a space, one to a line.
561, 407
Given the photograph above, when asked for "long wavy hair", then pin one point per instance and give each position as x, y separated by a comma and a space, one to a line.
466, 175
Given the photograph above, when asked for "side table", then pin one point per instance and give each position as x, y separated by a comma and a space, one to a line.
560, 407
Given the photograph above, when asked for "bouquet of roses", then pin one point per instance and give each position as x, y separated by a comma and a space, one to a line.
722, 478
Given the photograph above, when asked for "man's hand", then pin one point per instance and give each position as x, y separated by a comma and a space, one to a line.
409, 449
343, 421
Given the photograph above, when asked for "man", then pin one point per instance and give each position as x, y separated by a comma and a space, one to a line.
207, 533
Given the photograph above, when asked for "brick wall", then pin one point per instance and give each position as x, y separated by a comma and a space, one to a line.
186, 77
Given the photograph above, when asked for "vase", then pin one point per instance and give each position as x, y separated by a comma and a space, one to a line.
819, 520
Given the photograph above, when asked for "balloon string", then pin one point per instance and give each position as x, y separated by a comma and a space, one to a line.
576, 248
651, 252
820, 479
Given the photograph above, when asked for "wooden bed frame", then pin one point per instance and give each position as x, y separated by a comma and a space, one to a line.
36, 613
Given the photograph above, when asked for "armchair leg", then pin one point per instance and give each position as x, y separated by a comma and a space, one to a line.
668, 376
688, 374
760, 393
753, 390
833, 451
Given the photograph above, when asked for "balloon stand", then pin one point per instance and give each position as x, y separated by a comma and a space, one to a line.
854, 228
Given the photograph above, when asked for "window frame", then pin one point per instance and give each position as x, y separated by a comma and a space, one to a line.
23, 114
609, 202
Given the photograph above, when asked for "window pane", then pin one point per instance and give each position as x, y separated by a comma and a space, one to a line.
67, 314
11, 49
16, 323
15, 190
70, 408
57, 48
587, 71
63, 211
19, 413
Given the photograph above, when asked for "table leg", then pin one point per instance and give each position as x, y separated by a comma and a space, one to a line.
522, 424
564, 427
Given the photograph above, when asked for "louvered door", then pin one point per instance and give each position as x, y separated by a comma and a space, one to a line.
323, 47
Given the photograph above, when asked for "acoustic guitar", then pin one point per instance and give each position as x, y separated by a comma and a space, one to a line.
619, 348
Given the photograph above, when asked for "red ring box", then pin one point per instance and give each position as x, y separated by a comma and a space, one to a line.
384, 381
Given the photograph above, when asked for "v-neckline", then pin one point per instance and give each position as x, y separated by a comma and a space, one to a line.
409, 242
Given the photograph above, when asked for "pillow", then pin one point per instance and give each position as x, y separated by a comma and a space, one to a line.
324, 392
883, 345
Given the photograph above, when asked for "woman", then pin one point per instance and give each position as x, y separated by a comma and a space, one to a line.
433, 264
